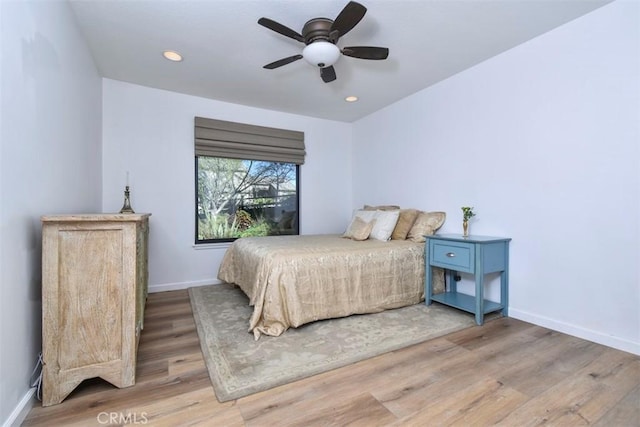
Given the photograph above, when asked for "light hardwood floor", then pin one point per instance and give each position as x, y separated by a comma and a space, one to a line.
506, 372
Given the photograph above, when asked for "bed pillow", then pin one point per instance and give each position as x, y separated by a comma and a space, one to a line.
359, 229
363, 214
385, 224
381, 208
427, 223
366, 216
406, 219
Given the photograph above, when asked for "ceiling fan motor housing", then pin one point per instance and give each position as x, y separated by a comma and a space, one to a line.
316, 29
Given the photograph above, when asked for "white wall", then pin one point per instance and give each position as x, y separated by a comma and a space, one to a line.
149, 133
543, 141
50, 121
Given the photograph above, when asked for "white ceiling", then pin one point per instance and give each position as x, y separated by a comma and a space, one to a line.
224, 48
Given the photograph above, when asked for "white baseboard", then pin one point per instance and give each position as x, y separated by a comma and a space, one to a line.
163, 287
576, 331
20, 412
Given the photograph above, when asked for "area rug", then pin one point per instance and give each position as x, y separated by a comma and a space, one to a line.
238, 365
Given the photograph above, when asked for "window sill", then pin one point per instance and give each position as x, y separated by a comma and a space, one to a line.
209, 246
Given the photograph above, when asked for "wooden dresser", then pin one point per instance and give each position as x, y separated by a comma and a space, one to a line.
94, 288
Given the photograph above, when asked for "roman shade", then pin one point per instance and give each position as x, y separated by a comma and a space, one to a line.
218, 138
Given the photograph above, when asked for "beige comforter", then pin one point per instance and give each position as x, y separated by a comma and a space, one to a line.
293, 280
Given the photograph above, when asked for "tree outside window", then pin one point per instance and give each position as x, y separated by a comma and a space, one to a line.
241, 198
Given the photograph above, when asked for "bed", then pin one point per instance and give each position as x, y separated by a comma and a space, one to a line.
293, 280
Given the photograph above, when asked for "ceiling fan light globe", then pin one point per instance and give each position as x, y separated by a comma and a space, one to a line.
321, 54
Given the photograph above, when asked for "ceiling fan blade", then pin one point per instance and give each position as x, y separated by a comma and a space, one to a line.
328, 74
281, 29
347, 19
281, 62
366, 52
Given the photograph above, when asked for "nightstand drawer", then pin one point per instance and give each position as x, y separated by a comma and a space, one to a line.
453, 256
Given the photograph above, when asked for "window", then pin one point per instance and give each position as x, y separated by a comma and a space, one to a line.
241, 198
247, 180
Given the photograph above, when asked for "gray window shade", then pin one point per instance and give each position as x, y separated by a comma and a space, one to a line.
218, 138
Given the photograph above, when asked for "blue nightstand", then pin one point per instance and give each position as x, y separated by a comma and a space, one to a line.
477, 255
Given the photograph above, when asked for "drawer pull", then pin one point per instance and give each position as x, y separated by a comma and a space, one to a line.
450, 254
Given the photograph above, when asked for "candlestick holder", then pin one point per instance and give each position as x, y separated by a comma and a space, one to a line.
126, 207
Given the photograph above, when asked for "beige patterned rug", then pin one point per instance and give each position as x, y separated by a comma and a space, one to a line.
239, 366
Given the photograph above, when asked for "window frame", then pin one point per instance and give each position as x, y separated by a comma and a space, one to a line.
199, 242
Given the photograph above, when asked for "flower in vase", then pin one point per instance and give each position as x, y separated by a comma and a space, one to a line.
467, 213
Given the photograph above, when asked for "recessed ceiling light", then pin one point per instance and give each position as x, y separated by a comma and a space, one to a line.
351, 98
172, 55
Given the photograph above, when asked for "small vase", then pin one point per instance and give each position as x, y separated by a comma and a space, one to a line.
465, 228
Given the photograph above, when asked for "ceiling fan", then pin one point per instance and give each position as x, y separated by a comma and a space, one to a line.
320, 36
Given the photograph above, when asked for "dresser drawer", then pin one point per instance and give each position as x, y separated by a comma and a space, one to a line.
452, 255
